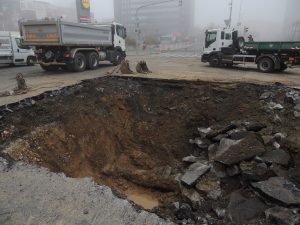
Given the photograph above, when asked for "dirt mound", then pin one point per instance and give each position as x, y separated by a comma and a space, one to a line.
131, 134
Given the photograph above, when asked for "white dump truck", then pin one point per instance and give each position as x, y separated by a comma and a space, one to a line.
74, 46
12, 52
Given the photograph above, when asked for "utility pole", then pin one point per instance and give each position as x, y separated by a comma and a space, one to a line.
137, 20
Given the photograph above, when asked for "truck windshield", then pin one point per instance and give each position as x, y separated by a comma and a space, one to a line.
211, 37
121, 32
19, 44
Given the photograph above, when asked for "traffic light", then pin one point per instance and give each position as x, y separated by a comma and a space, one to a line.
180, 2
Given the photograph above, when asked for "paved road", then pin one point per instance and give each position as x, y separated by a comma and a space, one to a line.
181, 65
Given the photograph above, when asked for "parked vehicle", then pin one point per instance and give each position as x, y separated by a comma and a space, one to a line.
74, 46
223, 47
12, 52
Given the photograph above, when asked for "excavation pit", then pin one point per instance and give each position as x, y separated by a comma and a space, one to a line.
128, 133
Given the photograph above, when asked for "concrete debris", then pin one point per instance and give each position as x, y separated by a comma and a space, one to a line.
292, 97
212, 150
193, 173
268, 140
282, 216
224, 130
204, 131
241, 210
297, 114
276, 145
278, 107
266, 95
254, 126
3, 164
238, 133
277, 156
280, 189
210, 185
199, 143
220, 213
190, 159
219, 169
193, 196
232, 152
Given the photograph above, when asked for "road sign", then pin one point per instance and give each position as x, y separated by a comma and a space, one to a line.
83, 11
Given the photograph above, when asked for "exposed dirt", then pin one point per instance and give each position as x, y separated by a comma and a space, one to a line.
131, 134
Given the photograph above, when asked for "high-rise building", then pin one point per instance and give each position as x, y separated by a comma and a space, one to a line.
164, 18
292, 20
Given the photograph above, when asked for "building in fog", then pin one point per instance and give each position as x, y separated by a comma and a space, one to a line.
292, 20
11, 11
157, 20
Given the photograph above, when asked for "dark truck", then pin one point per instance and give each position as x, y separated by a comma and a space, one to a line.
223, 47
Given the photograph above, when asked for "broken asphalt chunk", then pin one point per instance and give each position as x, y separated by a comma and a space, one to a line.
232, 152
280, 189
193, 173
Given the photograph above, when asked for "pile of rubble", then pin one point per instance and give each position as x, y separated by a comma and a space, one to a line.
243, 173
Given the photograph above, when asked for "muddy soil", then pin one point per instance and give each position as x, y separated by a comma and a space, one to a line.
132, 133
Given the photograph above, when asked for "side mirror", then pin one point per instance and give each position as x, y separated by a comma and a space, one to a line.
125, 33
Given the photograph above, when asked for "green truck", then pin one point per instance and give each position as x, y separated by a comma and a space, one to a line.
223, 47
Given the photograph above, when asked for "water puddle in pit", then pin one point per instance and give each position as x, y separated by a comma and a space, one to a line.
144, 200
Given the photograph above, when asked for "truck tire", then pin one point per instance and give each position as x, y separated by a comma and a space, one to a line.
51, 68
118, 59
266, 65
214, 61
30, 60
92, 60
79, 62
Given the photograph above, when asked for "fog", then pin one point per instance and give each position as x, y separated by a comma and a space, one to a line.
266, 19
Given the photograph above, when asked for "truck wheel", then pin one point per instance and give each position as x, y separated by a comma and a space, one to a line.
92, 60
79, 63
118, 59
214, 61
266, 65
30, 61
51, 68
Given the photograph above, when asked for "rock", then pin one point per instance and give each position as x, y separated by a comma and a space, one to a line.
199, 143
280, 137
278, 156
292, 143
296, 114
276, 145
190, 159
268, 140
242, 210
292, 97
219, 137
266, 95
220, 213
232, 171
219, 170
223, 130
297, 107
277, 119
232, 152
1, 117
204, 131
278, 107
253, 170
238, 134
193, 173
192, 195
184, 212
282, 216
254, 126
280, 189
212, 150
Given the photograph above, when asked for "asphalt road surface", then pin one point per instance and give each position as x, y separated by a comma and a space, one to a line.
163, 66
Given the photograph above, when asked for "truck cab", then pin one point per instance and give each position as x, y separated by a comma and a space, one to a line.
12, 52
216, 39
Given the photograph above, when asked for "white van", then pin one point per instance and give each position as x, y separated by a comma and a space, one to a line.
11, 51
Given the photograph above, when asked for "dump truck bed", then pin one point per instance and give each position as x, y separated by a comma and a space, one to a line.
60, 33
273, 46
